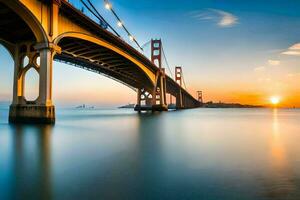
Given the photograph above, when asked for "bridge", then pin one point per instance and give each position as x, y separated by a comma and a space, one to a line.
46, 30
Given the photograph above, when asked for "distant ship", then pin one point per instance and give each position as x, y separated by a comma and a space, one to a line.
130, 105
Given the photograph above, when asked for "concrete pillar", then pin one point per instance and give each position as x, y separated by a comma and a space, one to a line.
42, 110
139, 97
157, 101
138, 100
179, 103
149, 101
154, 96
162, 91
161, 84
45, 89
147, 97
18, 89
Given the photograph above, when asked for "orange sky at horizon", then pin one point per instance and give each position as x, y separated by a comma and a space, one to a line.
94, 89
106, 91
255, 92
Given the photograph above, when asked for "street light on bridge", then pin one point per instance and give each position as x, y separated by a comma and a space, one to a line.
108, 6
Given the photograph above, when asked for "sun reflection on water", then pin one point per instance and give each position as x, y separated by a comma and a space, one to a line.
279, 184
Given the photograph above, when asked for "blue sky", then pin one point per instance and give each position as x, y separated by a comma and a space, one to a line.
233, 50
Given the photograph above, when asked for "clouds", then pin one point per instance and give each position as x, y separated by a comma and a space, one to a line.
221, 18
274, 62
259, 69
293, 50
291, 75
291, 53
270, 63
227, 19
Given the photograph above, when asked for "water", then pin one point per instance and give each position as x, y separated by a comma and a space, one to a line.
117, 154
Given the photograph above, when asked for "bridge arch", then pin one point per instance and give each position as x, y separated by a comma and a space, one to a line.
151, 76
21, 16
9, 47
6, 71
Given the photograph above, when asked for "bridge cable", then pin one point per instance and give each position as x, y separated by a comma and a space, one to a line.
146, 49
91, 4
120, 23
183, 81
147, 43
165, 58
100, 18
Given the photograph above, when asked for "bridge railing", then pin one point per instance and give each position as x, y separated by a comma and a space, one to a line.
82, 5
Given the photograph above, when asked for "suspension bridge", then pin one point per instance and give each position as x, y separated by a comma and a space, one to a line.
74, 32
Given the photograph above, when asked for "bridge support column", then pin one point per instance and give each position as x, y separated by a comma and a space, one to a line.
144, 100
159, 93
179, 100
154, 100
41, 110
138, 101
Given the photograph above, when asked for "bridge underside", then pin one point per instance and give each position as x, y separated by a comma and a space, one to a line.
13, 29
99, 59
184, 100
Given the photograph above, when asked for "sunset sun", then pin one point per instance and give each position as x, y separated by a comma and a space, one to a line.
275, 100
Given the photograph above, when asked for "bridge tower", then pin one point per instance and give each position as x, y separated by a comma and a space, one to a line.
200, 96
156, 52
178, 79
159, 93
155, 100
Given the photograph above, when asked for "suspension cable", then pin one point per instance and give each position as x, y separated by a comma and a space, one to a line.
144, 45
121, 24
183, 81
91, 4
99, 18
165, 58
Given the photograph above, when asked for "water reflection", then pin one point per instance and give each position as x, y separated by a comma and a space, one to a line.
137, 171
31, 162
206, 154
277, 146
280, 183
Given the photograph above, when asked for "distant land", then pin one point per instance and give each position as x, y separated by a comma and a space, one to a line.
130, 105
211, 104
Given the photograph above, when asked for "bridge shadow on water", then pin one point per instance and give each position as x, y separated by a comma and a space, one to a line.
115, 177
30, 162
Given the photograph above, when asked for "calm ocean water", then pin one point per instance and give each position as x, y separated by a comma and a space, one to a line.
209, 154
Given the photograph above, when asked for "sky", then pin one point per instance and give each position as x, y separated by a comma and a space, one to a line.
233, 50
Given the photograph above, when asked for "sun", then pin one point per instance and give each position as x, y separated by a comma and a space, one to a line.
275, 100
